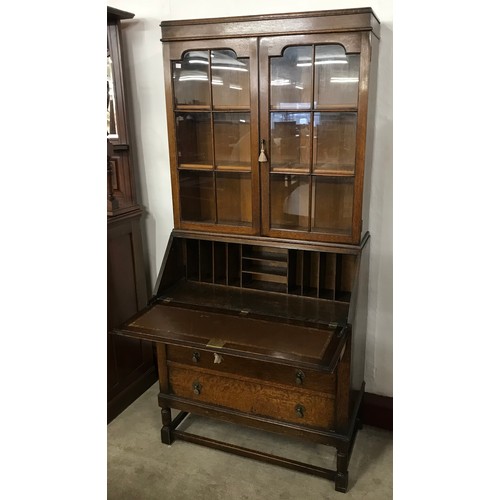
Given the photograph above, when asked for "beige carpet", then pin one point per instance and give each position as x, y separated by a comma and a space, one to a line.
141, 467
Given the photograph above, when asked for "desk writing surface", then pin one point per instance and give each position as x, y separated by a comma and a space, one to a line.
276, 305
212, 330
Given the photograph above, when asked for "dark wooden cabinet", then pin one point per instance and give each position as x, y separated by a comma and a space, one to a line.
259, 311
131, 366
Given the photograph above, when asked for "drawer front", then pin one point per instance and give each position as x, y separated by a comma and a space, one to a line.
266, 372
253, 397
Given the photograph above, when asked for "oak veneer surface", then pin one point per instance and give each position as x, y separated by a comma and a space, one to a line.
314, 380
253, 396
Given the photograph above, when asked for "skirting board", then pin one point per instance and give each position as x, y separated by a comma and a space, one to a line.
377, 411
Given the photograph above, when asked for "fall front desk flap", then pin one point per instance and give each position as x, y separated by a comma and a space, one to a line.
237, 334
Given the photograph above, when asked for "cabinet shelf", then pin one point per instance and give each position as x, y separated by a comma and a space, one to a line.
316, 172
336, 108
233, 168
192, 107
267, 286
274, 273
195, 166
290, 170
334, 172
272, 263
229, 108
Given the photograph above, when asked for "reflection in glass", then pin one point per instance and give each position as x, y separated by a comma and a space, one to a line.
230, 80
197, 196
290, 202
190, 77
291, 77
290, 140
332, 203
194, 139
334, 142
336, 77
111, 99
234, 198
232, 139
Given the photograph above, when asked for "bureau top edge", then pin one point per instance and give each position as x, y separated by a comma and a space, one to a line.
362, 19
274, 242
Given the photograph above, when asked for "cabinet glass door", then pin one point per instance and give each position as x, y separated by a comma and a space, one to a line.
216, 141
309, 122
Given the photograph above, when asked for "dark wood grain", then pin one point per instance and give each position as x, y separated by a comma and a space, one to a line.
256, 324
131, 365
271, 24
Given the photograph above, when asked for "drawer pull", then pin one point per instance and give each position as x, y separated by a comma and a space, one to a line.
217, 358
299, 377
299, 411
196, 357
197, 388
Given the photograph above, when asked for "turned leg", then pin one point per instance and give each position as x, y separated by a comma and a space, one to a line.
166, 432
342, 474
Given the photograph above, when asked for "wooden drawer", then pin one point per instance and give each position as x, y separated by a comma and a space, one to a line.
252, 396
266, 372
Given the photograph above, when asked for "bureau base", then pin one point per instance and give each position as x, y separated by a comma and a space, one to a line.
344, 443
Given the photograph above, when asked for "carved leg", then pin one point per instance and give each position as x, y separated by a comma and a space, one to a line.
166, 419
342, 473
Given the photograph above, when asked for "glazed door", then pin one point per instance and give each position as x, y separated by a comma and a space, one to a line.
212, 109
313, 111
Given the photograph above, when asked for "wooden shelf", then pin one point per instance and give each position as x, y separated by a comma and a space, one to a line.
333, 172
337, 108
195, 166
289, 170
233, 168
192, 107
228, 109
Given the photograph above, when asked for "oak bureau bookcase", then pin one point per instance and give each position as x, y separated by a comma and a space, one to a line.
259, 311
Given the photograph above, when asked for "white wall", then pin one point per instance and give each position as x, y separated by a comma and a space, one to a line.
144, 55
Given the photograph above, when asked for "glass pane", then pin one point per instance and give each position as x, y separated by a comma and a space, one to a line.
197, 196
111, 100
191, 79
234, 198
332, 205
334, 142
232, 140
291, 77
336, 77
230, 80
194, 139
290, 202
290, 141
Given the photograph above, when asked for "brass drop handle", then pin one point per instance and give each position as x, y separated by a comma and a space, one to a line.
299, 411
196, 357
299, 377
197, 388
